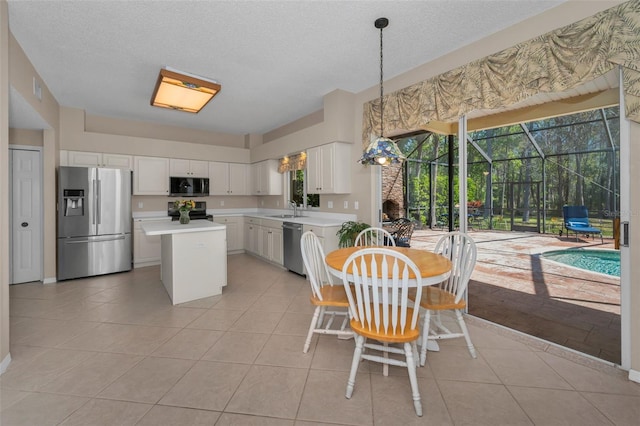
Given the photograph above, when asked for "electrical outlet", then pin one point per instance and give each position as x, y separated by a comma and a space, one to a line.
221, 203
355, 205
277, 203
346, 204
140, 204
261, 202
329, 204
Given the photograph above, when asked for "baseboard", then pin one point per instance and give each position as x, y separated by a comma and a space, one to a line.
634, 376
5, 363
145, 264
49, 280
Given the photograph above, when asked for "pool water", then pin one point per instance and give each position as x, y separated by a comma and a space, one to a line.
602, 261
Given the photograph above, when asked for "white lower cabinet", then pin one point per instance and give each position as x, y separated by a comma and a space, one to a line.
235, 231
326, 234
251, 232
263, 237
147, 249
270, 240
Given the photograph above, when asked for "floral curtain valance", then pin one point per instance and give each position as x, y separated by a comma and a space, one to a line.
293, 162
553, 62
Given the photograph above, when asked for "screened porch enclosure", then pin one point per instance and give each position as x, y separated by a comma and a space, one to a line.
519, 176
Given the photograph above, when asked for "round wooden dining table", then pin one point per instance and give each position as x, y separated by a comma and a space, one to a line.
433, 267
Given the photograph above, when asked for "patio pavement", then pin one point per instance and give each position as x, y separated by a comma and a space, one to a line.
514, 287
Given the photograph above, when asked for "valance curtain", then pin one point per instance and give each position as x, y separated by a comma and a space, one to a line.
293, 162
553, 62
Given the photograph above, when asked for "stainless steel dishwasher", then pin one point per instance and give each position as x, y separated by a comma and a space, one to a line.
291, 233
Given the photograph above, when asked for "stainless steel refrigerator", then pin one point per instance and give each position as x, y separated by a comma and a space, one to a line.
94, 221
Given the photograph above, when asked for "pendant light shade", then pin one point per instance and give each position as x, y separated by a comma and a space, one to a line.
381, 151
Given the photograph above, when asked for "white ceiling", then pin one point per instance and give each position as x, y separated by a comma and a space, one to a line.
275, 59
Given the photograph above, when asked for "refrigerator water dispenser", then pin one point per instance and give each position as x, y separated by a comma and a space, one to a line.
73, 202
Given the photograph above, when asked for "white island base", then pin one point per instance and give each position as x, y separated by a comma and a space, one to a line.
194, 258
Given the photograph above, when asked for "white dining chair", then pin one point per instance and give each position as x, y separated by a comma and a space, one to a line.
449, 295
374, 237
330, 300
381, 310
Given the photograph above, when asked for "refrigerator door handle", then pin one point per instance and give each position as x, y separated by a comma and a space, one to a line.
96, 239
95, 189
98, 202
77, 242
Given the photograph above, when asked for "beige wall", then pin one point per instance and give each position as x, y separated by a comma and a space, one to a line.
141, 129
74, 137
151, 203
4, 183
25, 137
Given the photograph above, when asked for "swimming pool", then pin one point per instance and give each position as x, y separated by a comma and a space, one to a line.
602, 261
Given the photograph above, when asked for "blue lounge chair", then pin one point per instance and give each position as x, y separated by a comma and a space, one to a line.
576, 219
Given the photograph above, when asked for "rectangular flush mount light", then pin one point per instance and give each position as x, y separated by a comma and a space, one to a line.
182, 91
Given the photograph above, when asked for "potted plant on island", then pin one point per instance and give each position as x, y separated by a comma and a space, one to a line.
349, 231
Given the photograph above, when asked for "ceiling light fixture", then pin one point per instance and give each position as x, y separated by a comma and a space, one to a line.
182, 91
381, 151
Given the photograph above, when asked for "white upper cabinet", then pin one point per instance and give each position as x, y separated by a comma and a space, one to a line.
228, 178
329, 169
188, 168
265, 178
96, 159
150, 176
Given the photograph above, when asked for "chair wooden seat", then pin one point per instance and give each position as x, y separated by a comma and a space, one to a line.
449, 295
367, 330
330, 300
381, 310
332, 295
437, 299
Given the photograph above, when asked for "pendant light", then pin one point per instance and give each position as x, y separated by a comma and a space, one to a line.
381, 151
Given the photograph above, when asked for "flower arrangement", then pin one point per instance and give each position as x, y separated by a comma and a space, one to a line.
184, 205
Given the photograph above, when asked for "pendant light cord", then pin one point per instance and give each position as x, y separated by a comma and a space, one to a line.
381, 89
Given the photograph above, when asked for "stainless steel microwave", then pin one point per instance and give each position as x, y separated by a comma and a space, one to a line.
188, 187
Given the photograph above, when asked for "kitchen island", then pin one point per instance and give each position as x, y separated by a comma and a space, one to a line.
193, 260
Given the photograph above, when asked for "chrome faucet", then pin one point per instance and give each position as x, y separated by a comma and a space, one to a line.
295, 208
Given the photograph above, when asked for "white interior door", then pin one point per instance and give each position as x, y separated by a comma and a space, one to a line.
26, 216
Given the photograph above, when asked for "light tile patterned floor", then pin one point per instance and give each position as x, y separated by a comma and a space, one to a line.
112, 350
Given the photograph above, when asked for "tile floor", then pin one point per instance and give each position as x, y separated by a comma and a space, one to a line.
112, 350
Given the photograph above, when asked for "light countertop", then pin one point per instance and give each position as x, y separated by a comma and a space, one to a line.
308, 218
305, 220
175, 227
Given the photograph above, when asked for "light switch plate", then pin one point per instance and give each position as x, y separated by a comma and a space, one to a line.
140, 204
346, 204
329, 204
221, 203
355, 205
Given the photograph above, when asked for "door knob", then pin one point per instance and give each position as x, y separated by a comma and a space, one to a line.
24, 224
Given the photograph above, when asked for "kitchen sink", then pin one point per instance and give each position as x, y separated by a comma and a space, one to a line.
283, 216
